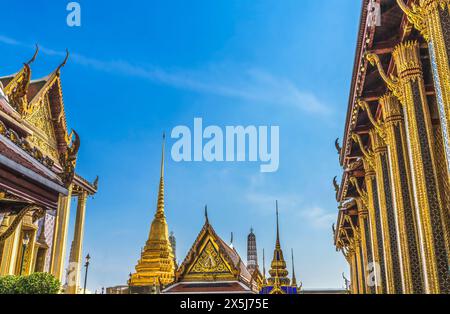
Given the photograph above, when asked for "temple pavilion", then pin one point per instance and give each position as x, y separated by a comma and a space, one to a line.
393, 220
38, 178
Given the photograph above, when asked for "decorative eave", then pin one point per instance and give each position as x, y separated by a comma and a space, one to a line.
355, 83
344, 230
81, 184
396, 24
366, 83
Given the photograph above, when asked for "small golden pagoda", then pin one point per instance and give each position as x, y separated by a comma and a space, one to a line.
279, 282
156, 265
278, 269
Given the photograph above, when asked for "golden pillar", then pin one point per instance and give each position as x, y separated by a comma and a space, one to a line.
432, 19
366, 243
356, 256
76, 251
394, 133
60, 235
359, 265
377, 269
409, 88
351, 258
10, 247
388, 221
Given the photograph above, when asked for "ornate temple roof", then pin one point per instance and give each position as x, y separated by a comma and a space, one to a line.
213, 266
33, 131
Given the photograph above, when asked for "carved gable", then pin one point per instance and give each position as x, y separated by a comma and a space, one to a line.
45, 137
209, 261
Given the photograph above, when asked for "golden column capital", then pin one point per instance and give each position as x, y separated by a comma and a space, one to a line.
418, 15
378, 143
407, 60
391, 108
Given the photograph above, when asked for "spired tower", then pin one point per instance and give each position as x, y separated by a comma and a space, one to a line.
252, 255
156, 265
173, 243
278, 272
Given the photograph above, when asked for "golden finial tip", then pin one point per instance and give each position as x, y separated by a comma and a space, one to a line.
34, 56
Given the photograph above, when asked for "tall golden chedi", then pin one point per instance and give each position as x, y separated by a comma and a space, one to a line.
156, 266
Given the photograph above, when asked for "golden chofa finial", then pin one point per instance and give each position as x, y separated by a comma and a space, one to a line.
34, 56
64, 61
206, 214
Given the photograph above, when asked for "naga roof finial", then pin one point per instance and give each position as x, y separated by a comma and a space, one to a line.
34, 56
338, 147
64, 62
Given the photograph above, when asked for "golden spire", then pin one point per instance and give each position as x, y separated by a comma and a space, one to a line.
160, 204
278, 271
278, 246
294, 280
264, 269
157, 257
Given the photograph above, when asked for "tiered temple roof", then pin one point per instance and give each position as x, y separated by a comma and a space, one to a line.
212, 266
34, 139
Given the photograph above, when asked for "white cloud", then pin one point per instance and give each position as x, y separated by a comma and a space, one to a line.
265, 202
231, 80
318, 217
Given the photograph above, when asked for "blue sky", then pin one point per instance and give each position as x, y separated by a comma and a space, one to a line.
139, 68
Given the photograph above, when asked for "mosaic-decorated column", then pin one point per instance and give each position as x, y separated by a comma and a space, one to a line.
366, 243
388, 221
75, 259
351, 258
378, 266
432, 19
10, 247
409, 88
392, 131
60, 235
359, 265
